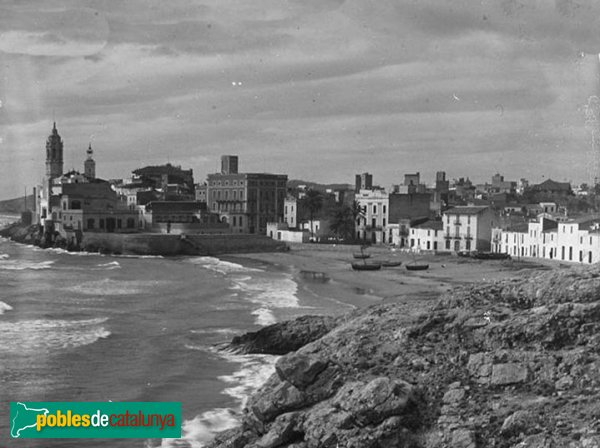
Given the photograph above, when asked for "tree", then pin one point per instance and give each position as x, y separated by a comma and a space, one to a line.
313, 203
343, 220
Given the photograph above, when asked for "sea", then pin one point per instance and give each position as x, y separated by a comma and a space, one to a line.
90, 327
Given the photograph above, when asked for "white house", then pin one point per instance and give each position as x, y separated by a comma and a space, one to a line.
372, 224
468, 228
574, 241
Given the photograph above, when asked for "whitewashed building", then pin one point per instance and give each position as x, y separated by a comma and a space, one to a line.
372, 224
468, 228
573, 241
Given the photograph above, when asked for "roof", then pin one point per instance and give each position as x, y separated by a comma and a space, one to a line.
433, 225
552, 185
518, 227
175, 206
466, 210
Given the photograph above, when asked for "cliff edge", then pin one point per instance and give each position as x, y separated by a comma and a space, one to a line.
507, 364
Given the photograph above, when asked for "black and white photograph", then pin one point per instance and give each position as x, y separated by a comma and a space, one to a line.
299, 224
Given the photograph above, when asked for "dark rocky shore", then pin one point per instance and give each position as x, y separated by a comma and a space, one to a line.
507, 364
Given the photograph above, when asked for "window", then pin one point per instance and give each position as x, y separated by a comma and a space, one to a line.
130, 223
90, 223
101, 223
374, 209
383, 222
234, 221
384, 209
448, 244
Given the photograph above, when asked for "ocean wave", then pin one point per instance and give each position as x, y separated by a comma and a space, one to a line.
220, 266
264, 317
4, 307
21, 265
33, 336
254, 371
202, 429
136, 256
269, 293
215, 331
110, 287
4, 256
109, 266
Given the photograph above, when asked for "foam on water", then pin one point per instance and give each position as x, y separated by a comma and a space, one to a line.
264, 317
110, 287
254, 371
269, 293
4, 307
4, 256
21, 265
29, 337
220, 266
110, 265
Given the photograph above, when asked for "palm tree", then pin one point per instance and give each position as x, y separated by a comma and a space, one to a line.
313, 202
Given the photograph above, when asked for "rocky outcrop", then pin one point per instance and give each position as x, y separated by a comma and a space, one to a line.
284, 337
511, 364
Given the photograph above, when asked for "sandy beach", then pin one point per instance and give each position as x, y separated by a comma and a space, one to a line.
345, 289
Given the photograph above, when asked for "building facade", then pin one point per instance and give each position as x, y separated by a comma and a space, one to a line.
246, 201
371, 225
576, 241
468, 228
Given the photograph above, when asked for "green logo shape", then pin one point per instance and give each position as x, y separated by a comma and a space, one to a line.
48, 420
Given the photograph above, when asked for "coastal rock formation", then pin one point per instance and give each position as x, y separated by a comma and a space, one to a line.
510, 364
284, 337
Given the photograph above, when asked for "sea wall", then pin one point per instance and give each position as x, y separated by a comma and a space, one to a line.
150, 243
167, 244
508, 364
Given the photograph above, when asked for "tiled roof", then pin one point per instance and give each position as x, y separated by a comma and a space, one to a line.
466, 210
433, 225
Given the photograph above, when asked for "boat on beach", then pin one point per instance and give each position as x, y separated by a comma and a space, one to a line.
366, 266
315, 276
417, 267
391, 263
361, 256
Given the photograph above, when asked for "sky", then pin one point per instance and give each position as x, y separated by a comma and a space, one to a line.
316, 89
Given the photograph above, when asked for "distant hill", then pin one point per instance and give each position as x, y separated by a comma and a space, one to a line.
316, 186
16, 205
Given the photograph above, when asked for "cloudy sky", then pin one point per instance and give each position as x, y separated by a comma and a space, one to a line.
317, 89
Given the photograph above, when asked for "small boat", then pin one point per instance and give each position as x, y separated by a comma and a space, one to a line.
315, 276
366, 266
391, 263
361, 256
417, 267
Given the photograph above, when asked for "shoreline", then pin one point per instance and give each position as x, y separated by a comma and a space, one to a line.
345, 290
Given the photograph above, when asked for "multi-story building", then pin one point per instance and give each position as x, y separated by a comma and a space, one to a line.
290, 211
574, 241
468, 228
363, 181
371, 226
246, 201
94, 207
427, 236
172, 182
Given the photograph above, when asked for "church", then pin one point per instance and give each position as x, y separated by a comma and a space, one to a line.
71, 203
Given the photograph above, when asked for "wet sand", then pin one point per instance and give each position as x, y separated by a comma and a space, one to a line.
345, 289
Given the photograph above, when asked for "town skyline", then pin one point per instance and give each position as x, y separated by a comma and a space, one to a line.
317, 90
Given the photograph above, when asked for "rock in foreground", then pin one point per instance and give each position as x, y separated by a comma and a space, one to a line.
509, 364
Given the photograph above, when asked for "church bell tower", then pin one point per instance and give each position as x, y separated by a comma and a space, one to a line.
54, 155
89, 166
